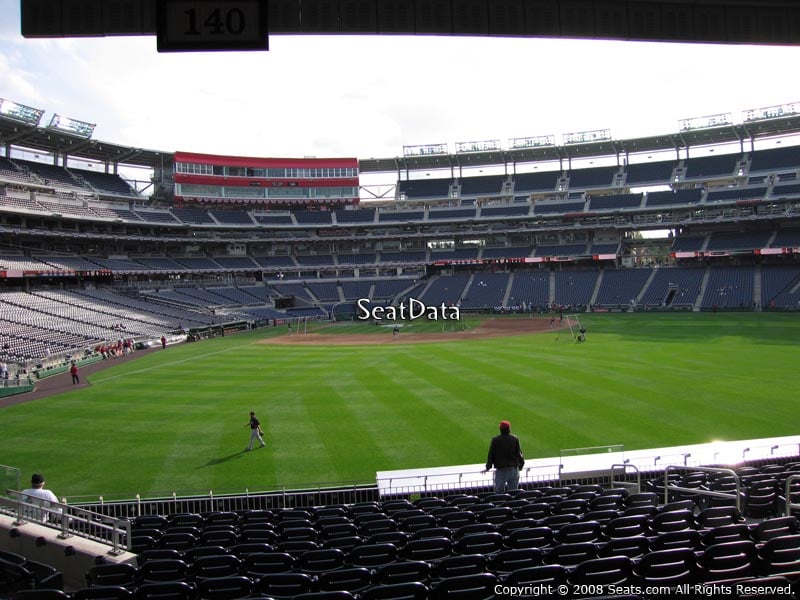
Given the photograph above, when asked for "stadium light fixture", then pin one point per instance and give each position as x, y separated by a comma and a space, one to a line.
73, 126
20, 112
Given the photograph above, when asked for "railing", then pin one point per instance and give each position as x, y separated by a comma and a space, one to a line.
68, 520
466, 482
699, 491
623, 481
211, 502
789, 505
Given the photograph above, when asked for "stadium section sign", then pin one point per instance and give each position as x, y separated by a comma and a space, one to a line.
211, 25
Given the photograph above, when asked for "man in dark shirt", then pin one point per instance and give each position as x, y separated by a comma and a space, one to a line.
255, 431
505, 455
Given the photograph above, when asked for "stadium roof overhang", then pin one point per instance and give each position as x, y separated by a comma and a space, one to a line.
727, 134
61, 143
709, 21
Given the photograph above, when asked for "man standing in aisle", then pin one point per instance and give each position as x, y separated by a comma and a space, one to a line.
505, 455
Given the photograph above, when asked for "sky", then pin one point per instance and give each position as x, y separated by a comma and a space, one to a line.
368, 96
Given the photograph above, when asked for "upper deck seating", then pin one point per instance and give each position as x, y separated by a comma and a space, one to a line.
424, 188
274, 261
360, 215
736, 194
667, 198
194, 216
236, 262
409, 256
708, 166
507, 252
649, 173
156, 216
401, 216
51, 174
482, 185
313, 217
688, 243
274, 219
232, 217
198, 262
615, 201
592, 177
361, 258
314, 260
775, 159
536, 182
739, 240
109, 184
559, 207
515, 210
451, 213
561, 250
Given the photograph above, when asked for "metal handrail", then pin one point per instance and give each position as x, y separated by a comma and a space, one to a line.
701, 492
625, 467
789, 506
68, 520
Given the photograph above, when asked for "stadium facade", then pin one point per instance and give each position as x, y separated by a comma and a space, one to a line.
212, 239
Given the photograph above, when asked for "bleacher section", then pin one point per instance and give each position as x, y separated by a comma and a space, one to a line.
486, 291
780, 287
447, 289
620, 288
531, 288
729, 288
674, 287
574, 288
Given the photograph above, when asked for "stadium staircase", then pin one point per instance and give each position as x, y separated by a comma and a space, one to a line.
699, 302
596, 290
509, 287
757, 288
646, 286
551, 295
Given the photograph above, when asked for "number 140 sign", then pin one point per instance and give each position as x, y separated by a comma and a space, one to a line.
210, 25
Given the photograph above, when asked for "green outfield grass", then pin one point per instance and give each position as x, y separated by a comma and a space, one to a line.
174, 420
